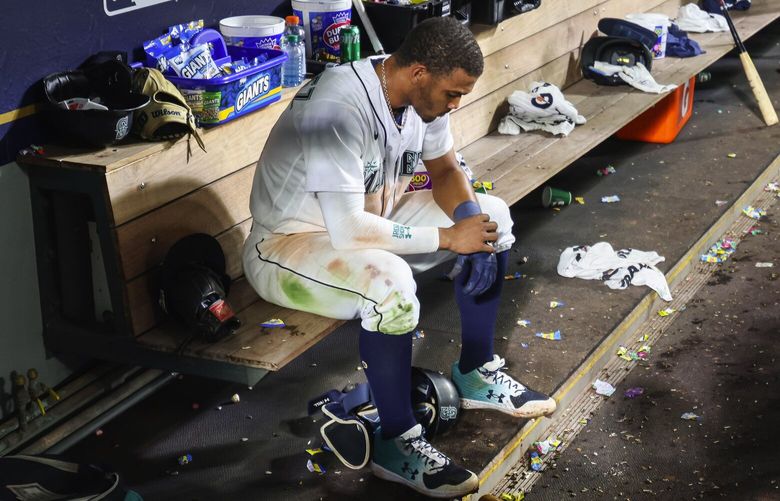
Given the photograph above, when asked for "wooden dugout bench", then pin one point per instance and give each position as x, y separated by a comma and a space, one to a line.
105, 219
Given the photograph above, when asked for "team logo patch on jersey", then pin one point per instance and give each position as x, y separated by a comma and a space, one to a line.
409, 161
373, 177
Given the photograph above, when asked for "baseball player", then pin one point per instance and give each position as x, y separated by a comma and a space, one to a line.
335, 234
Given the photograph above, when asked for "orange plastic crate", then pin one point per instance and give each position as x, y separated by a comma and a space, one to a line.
662, 122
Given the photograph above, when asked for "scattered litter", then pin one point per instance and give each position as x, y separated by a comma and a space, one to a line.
583, 421
219, 407
643, 337
34, 149
719, 251
514, 276
603, 388
610, 199
690, 416
524, 345
556, 304
732, 155
269, 472
605, 171
666, 312
720, 203
98, 432
631, 355
754, 230
633, 392
546, 446
536, 462
764, 265
482, 186
580, 200
172, 473
773, 187
753, 212
418, 334
524, 323
314, 467
552, 336
246, 347
235, 398
185, 459
512, 496
274, 322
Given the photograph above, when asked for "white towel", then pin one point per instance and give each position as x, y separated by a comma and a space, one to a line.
616, 269
544, 108
691, 18
636, 76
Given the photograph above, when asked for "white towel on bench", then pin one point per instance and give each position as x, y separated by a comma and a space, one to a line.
544, 108
616, 269
691, 18
636, 76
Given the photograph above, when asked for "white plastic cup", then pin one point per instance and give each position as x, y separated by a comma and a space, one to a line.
658, 24
263, 32
322, 21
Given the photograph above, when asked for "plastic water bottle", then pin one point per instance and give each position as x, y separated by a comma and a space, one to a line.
294, 68
292, 26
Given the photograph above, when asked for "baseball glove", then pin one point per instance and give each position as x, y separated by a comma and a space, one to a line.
167, 116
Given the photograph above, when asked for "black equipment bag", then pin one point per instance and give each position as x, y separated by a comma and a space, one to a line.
49, 478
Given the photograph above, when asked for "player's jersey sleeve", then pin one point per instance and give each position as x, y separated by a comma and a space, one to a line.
332, 144
438, 139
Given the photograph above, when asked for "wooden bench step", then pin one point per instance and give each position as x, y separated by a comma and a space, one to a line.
520, 164
252, 345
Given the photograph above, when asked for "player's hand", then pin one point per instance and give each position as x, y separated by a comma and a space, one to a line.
469, 235
481, 268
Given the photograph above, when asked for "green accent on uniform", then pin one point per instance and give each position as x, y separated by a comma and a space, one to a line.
399, 319
298, 294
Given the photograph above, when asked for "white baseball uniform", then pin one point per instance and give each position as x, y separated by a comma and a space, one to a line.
338, 136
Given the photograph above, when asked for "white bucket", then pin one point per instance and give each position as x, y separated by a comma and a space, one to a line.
322, 21
263, 32
657, 23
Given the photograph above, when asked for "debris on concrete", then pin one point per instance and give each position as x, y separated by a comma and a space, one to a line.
235, 398
536, 462
732, 155
764, 265
610, 199
418, 334
512, 496
720, 251
556, 304
721, 203
772, 187
603, 388
605, 171
552, 336
514, 276
580, 200
753, 212
524, 323
314, 467
185, 459
633, 392
666, 312
690, 416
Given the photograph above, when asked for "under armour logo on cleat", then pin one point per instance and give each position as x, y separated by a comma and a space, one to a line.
409, 471
492, 396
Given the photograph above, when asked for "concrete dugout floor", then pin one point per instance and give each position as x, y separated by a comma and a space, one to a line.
668, 196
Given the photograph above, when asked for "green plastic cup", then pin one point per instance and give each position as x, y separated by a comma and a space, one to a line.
553, 197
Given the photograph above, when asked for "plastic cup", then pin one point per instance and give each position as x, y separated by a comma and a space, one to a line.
554, 197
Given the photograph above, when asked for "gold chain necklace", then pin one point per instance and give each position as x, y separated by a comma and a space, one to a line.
387, 98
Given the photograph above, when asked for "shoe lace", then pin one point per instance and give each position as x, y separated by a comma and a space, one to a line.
431, 458
492, 371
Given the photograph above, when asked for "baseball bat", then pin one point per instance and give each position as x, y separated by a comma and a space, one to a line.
754, 79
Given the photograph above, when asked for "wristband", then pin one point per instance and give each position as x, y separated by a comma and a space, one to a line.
466, 209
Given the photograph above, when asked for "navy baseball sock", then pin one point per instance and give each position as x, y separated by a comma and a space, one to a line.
387, 360
478, 317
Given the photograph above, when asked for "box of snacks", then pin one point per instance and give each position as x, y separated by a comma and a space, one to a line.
219, 82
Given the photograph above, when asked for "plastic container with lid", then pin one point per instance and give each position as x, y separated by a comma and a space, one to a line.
261, 32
